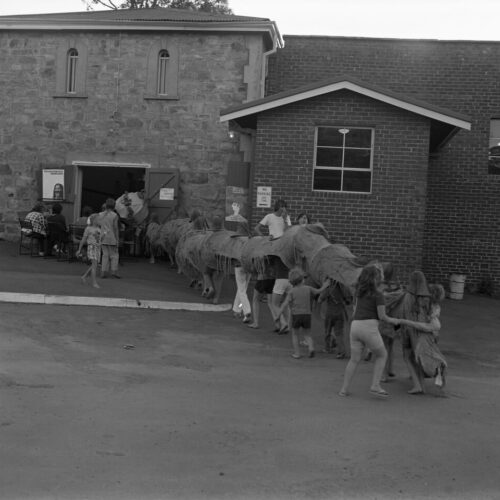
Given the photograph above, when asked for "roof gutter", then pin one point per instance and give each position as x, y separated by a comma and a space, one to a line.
277, 42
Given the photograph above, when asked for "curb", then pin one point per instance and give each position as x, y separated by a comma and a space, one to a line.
68, 300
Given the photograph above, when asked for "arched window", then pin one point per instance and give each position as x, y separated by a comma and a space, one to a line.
163, 59
71, 69
72, 62
163, 71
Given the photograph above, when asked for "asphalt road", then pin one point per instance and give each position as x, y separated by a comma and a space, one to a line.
104, 403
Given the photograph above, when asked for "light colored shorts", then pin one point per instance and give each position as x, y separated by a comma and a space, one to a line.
364, 333
281, 286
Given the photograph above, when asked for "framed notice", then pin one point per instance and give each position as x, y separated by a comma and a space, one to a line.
264, 196
236, 204
166, 193
53, 184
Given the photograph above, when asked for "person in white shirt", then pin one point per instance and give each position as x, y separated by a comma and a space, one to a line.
277, 222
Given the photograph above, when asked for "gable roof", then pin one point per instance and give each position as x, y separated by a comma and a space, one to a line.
144, 19
444, 122
347, 83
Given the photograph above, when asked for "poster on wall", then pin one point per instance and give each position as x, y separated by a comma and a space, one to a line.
166, 194
53, 184
264, 196
236, 204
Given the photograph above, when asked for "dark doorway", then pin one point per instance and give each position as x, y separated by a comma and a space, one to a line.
99, 183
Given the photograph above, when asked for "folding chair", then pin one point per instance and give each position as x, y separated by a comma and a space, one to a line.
56, 236
27, 240
127, 244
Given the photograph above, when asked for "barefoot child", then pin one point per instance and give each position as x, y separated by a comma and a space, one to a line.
364, 334
299, 299
92, 237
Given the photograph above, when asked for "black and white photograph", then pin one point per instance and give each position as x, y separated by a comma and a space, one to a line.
249, 250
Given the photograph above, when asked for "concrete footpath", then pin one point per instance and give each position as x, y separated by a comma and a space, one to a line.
39, 280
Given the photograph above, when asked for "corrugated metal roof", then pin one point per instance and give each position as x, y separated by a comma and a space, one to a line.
139, 15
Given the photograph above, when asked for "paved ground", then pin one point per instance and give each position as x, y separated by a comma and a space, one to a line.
201, 407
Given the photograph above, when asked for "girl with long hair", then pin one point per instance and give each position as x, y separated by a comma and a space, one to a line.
428, 359
369, 309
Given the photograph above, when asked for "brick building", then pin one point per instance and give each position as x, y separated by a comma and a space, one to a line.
114, 101
390, 143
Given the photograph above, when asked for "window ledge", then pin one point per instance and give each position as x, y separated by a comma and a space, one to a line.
70, 96
153, 97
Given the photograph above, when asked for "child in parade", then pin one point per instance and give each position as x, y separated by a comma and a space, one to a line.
369, 310
263, 290
92, 238
336, 298
299, 299
109, 222
429, 359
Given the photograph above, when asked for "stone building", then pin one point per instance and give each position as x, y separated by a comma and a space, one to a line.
392, 144
113, 101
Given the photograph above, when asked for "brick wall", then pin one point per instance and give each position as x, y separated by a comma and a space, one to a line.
115, 123
463, 202
387, 224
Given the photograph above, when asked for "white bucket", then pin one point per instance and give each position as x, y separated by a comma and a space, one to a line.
457, 284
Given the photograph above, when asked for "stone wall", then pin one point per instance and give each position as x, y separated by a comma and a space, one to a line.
113, 122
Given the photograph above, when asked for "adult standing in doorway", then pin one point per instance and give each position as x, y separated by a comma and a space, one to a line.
108, 220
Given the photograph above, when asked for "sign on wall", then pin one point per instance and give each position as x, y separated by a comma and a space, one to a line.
166, 193
236, 204
264, 196
53, 184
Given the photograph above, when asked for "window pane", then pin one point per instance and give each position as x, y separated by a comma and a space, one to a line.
358, 138
329, 180
330, 136
495, 128
357, 181
494, 165
494, 148
329, 157
71, 71
162, 72
357, 158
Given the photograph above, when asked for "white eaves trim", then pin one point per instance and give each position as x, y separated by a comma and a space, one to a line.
271, 27
347, 85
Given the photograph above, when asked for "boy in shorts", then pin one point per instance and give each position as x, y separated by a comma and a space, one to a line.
299, 299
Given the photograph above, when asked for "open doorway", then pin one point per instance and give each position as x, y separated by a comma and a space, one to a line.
91, 183
101, 182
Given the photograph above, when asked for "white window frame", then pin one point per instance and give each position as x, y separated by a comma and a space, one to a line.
163, 62
494, 141
71, 67
342, 168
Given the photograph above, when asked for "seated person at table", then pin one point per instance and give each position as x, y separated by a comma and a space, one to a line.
57, 230
38, 223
